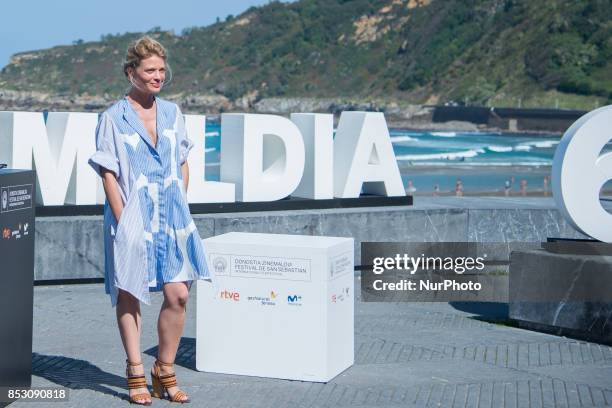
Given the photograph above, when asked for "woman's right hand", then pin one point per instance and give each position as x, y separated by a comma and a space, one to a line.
111, 188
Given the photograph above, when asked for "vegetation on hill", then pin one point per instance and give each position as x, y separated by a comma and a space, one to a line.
479, 52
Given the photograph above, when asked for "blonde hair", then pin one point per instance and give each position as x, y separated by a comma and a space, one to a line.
142, 48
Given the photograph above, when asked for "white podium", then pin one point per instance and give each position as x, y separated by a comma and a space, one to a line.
285, 307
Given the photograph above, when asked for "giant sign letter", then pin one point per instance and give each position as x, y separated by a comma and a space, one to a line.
318, 132
59, 151
579, 172
363, 154
262, 154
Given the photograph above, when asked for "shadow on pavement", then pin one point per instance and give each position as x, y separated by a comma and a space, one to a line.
185, 355
485, 311
77, 374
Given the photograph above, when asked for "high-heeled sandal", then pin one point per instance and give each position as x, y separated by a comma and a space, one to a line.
137, 381
161, 383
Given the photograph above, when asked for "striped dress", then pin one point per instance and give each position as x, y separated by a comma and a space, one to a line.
156, 240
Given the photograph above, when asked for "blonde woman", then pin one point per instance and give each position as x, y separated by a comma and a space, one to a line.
151, 242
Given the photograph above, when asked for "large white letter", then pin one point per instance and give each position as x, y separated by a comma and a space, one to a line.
262, 154
363, 153
318, 132
59, 150
201, 191
579, 173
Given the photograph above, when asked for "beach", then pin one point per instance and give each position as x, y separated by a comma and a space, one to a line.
434, 161
483, 180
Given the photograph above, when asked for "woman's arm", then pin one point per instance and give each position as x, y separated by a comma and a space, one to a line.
112, 193
185, 172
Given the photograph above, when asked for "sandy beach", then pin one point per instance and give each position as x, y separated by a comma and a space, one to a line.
476, 180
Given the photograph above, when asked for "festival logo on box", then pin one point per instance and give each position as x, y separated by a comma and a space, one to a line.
14, 198
267, 267
340, 264
4, 200
219, 264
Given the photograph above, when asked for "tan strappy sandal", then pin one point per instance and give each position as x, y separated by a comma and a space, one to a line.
161, 383
137, 381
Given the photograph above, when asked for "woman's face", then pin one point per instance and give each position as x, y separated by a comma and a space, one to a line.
149, 76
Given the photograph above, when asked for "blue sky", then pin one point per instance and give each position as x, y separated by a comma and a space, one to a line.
31, 25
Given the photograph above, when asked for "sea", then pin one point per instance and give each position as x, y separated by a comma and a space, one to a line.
435, 161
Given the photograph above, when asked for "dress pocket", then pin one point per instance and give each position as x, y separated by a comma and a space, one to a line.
130, 210
110, 223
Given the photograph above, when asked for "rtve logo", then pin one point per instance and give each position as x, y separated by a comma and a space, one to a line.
226, 294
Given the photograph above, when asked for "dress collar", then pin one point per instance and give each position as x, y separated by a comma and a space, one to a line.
132, 118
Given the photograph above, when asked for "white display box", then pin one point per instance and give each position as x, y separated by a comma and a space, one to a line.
285, 307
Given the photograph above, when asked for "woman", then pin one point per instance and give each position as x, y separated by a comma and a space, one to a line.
151, 242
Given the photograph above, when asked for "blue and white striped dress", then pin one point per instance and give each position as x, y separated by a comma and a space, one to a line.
156, 240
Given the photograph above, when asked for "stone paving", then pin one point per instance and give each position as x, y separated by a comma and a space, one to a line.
406, 354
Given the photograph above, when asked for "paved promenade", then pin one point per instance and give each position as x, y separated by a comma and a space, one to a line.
407, 354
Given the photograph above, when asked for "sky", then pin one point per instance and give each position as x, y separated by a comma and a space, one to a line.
28, 25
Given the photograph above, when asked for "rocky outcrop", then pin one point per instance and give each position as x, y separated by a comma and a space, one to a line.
12, 100
392, 110
370, 28
215, 104
39, 101
405, 116
202, 104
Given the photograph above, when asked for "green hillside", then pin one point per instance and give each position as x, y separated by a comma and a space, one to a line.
479, 52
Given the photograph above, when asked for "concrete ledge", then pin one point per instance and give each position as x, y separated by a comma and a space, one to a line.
562, 294
72, 247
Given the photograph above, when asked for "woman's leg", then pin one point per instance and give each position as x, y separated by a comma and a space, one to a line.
170, 324
129, 321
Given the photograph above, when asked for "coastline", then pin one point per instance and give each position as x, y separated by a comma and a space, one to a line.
468, 127
398, 116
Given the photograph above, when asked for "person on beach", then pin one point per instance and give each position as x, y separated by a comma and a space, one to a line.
150, 240
523, 187
459, 188
411, 189
507, 188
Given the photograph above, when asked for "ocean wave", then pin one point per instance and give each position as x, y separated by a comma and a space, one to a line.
212, 134
209, 149
442, 156
499, 149
395, 139
214, 164
541, 144
522, 148
443, 134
